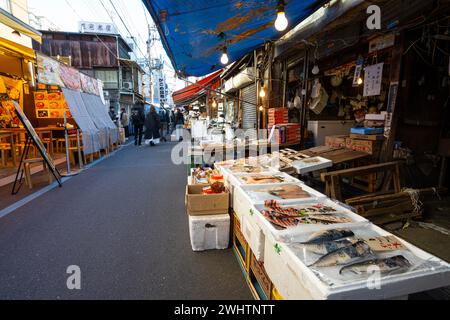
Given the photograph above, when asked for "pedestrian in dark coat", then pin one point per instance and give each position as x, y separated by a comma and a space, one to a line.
138, 119
152, 126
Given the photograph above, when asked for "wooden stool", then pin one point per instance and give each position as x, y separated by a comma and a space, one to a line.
27, 170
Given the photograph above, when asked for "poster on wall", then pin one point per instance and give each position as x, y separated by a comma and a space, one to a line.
89, 85
10, 89
70, 77
50, 105
373, 80
48, 71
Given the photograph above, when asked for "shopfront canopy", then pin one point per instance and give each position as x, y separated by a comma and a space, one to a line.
91, 135
194, 32
197, 90
107, 131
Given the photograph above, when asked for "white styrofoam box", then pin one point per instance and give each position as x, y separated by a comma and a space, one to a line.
254, 237
210, 232
237, 179
245, 197
231, 182
279, 272
376, 117
322, 129
189, 180
260, 226
292, 234
427, 273
305, 166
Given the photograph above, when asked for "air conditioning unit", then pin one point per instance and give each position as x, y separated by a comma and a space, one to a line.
127, 85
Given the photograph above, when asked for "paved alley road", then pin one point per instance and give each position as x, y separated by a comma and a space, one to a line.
123, 223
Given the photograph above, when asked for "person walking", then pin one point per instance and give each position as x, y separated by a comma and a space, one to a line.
125, 122
152, 126
138, 120
179, 124
172, 121
164, 117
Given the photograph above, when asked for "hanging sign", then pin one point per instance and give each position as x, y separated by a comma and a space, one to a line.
373, 79
358, 70
48, 71
392, 101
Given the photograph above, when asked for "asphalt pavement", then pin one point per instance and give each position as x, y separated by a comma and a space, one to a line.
123, 223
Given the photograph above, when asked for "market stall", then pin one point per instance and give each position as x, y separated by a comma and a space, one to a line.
79, 97
293, 242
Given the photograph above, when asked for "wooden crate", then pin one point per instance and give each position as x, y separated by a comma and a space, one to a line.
240, 246
258, 280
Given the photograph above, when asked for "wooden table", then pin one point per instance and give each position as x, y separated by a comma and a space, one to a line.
337, 155
14, 132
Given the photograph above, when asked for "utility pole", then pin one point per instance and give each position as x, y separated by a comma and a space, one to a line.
155, 62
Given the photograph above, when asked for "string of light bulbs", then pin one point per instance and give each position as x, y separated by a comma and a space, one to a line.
281, 24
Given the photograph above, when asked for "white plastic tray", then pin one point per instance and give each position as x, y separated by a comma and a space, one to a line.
238, 179
259, 226
295, 233
303, 167
245, 197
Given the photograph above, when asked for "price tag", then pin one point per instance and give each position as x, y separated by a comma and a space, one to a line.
384, 244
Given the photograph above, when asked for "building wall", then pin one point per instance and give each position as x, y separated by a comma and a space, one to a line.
19, 9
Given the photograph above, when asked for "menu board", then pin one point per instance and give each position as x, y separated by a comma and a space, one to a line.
50, 105
373, 80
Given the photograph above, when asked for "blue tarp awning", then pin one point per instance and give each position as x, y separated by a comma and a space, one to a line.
193, 32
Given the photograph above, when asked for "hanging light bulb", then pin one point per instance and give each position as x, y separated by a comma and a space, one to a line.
315, 71
224, 59
214, 104
282, 22
261, 109
360, 81
262, 93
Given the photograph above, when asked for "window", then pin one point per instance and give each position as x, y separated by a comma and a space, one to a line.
5, 5
109, 77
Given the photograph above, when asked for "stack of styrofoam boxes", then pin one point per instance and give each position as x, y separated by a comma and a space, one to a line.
209, 221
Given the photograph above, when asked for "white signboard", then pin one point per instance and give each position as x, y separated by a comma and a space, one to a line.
95, 27
373, 79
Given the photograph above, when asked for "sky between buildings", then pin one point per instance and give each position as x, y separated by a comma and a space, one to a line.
66, 14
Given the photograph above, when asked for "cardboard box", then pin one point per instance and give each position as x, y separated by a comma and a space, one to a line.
198, 204
372, 137
336, 141
369, 146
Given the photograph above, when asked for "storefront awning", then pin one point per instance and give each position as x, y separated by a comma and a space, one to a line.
194, 91
18, 25
16, 49
192, 31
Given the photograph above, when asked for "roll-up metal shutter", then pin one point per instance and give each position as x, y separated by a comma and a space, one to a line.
249, 110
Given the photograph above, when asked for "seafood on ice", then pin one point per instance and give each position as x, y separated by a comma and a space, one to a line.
326, 247
397, 263
288, 216
344, 256
329, 235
